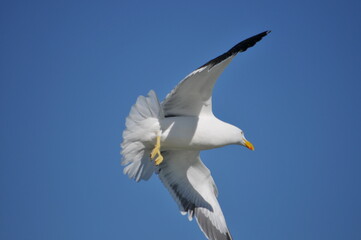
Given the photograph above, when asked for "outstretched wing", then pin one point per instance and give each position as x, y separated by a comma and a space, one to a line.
193, 95
191, 185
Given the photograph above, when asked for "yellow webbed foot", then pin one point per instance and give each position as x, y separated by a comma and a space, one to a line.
156, 151
159, 159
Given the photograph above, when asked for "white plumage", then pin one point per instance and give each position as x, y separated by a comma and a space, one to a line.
183, 125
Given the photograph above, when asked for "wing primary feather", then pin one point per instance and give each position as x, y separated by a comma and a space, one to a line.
191, 185
240, 47
193, 95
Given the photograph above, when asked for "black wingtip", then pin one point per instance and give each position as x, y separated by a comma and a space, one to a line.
263, 33
240, 47
228, 235
249, 42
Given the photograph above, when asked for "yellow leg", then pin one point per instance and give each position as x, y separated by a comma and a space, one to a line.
156, 151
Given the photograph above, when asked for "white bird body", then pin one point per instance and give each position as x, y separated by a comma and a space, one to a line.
175, 131
199, 133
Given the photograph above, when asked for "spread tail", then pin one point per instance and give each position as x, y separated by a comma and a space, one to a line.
142, 124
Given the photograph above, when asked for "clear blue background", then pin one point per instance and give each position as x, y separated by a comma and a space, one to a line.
70, 71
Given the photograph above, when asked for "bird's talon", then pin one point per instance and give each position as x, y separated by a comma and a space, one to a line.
156, 151
159, 160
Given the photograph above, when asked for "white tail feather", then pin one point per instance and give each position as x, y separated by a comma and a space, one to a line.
142, 125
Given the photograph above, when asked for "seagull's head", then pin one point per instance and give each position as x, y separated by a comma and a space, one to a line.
245, 142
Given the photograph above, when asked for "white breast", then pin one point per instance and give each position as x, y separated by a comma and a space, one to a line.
197, 133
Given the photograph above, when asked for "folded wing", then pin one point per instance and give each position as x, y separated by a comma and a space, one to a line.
191, 185
193, 95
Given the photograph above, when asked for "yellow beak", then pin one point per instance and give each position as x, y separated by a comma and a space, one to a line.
249, 145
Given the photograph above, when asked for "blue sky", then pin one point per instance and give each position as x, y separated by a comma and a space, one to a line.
70, 71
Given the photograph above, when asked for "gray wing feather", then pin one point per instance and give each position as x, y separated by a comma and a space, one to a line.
191, 185
193, 95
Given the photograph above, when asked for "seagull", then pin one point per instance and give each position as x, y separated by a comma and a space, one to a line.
166, 138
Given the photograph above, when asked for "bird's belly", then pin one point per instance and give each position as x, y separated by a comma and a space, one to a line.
188, 133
